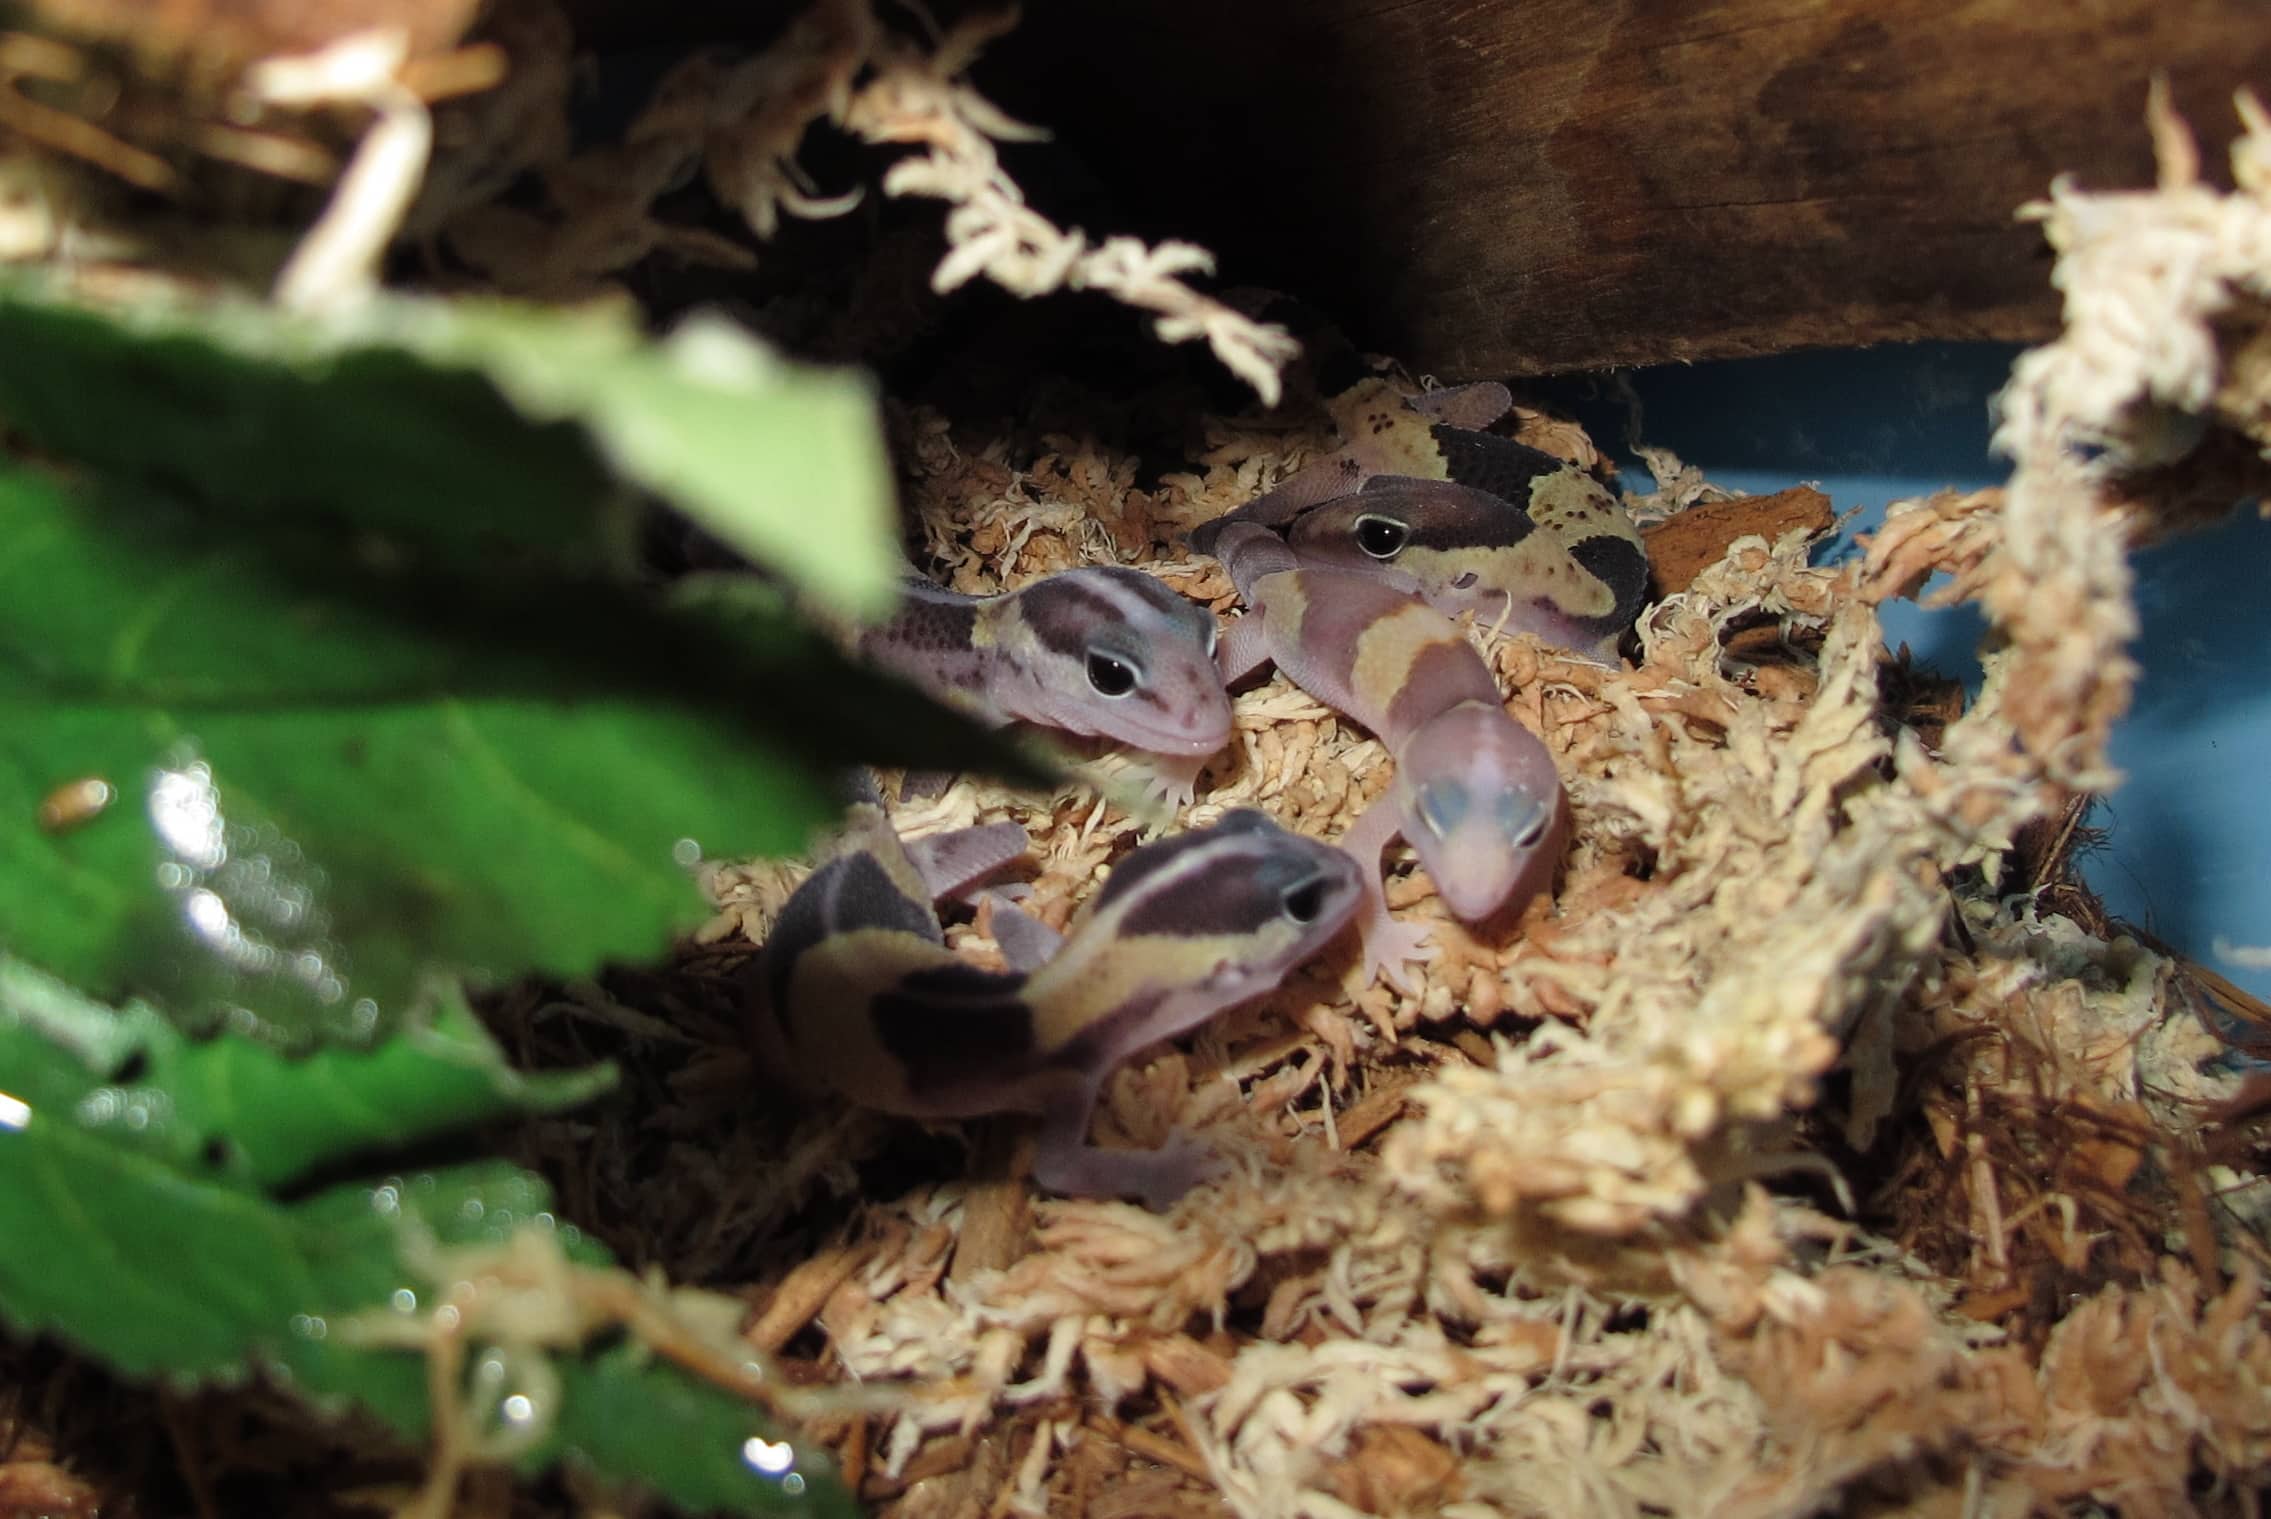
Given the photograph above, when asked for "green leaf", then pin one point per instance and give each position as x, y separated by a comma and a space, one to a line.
231, 1110
495, 776
139, 1250
471, 428
792, 474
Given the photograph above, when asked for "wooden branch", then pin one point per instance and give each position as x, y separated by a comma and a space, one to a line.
1537, 185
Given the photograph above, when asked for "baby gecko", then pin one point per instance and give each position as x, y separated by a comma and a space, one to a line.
1474, 791
1466, 550
1476, 520
856, 985
1103, 650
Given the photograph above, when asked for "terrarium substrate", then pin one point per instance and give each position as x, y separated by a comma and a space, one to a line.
1815, 1145
1578, 1227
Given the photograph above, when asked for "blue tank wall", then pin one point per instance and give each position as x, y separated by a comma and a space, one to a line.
2189, 853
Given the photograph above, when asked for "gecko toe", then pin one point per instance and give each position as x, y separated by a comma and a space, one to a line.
1391, 948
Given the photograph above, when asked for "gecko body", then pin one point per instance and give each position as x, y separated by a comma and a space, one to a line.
858, 988
1474, 792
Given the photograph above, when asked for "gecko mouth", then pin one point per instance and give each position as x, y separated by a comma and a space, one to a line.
1196, 740
1183, 744
1160, 741
1137, 728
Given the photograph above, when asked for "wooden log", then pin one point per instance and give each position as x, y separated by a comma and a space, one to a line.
1528, 186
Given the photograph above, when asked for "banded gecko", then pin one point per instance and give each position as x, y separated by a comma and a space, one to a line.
1476, 521
1102, 650
855, 984
1467, 550
1474, 791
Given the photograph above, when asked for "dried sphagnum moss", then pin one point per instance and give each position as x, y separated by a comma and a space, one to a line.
1545, 1278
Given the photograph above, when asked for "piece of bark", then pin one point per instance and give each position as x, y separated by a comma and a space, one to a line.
1489, 189
997, 1217
1378, 1108
1689, 542
798, 1299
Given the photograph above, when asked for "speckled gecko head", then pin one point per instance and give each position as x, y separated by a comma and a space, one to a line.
1113, 652
1480, 800
1577, 583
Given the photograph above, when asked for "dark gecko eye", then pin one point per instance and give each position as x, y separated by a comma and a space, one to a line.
1304, 902
1110, 676
1382, 537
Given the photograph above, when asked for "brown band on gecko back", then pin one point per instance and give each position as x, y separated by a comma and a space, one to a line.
1439, 675
952, 1023
852, 892
1488, 462
1622, 566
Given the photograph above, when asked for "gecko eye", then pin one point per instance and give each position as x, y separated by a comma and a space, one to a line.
1526, 824
1382, 537
1442, 807
1304, 902
1109, 675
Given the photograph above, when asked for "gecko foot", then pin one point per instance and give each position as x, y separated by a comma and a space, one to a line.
1158, 1176
1173, 780
1389, 946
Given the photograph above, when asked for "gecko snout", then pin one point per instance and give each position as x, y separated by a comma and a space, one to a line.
1484, 809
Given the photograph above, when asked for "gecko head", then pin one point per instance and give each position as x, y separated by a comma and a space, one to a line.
1433, 537
1274, 898
1248, 898
1482, 804
1114, 652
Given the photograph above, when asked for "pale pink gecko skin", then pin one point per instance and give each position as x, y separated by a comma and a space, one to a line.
1475, 792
